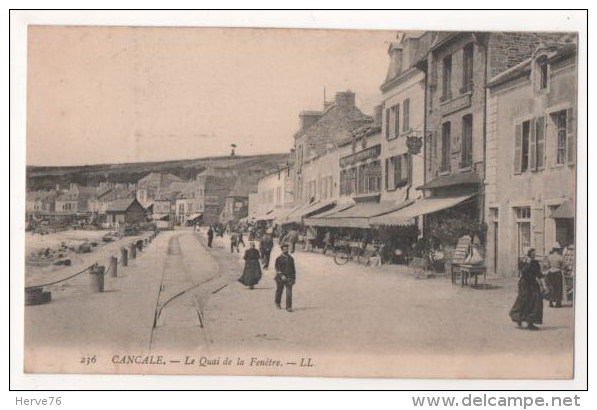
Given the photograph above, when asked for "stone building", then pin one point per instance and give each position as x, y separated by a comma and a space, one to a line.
458, 67
236, 205
321, 131
150, 185
531, 155
275, 194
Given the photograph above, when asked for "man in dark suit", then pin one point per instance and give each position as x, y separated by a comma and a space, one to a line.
285, 277
210, 236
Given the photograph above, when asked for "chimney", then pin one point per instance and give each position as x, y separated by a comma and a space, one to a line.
345, 99
308, 118
377, 114
395, 52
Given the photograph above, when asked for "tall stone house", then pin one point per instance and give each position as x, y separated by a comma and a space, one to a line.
531, 156
458, 67
321, 131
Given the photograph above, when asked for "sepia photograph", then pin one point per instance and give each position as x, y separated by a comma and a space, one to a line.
253, 201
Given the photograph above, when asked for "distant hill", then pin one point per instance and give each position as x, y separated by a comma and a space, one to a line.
42, 177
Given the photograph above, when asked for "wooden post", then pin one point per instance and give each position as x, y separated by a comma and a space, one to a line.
96, 276
114, 263
125, 256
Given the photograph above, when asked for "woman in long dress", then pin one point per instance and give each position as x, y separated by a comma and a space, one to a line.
554, 279
252, 272
529, 303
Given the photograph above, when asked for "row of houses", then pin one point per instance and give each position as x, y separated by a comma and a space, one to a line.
216, 195
475, 133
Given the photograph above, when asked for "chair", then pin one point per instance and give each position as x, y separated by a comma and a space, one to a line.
458, 257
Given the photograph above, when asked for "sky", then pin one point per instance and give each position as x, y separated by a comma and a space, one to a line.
129, 94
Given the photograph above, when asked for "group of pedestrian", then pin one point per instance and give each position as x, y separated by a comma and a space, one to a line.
236, 239
534, 286
285, 277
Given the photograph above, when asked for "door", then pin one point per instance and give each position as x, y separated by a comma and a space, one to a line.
495, 247
524, 238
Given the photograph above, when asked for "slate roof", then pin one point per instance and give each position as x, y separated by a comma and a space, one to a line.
525, 67
121, 205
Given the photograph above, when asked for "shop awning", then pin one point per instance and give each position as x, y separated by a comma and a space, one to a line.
462, 178
391, 219
264, 216
195, 216
564, 211
281, 212
426, 206
354, 216
297, 215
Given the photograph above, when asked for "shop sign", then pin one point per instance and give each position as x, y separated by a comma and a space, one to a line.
363, 155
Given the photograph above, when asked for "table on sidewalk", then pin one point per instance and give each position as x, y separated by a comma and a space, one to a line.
467, 270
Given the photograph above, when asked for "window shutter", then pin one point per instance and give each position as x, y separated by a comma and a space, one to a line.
518, 148
397, 169
538, 223
387, 164
540, 142
387, 123
406, 115
571, 135
397, 120
532, 146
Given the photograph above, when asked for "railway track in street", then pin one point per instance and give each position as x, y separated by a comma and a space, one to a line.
189, 275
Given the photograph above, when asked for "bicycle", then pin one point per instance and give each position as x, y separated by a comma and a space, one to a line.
345, 254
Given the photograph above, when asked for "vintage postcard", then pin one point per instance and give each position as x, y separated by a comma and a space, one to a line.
301, 202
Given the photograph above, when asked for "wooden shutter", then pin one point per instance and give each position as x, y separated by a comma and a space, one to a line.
397, 120
387, 165
540, 142
538, 230
397, 170
406, 115
570, 135
517, 148
532, 146
387, 123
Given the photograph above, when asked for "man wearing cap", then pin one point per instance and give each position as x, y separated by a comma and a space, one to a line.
285, 277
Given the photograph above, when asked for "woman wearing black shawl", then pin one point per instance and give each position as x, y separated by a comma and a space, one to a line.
252, 272
529, 303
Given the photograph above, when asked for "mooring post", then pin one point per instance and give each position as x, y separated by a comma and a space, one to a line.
125, 256
96, 276
114, 263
